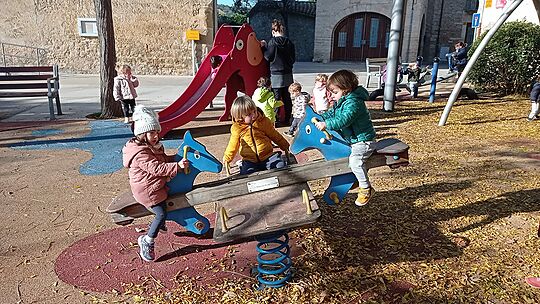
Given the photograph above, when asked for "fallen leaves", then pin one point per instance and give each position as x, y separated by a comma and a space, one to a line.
456, 226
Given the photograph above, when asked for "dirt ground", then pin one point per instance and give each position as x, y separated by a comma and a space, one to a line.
475, 181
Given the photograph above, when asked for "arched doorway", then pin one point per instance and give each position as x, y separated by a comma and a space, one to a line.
361, 35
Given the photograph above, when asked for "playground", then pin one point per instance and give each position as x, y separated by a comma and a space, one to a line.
458, 224
454, 218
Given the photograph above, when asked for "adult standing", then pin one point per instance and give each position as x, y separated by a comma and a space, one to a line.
280, 53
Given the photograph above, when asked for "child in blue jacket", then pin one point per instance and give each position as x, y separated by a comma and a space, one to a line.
350, 117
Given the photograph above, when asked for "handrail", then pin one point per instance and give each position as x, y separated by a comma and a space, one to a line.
38, 51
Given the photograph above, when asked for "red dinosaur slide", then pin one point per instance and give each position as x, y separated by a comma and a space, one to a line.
243, 64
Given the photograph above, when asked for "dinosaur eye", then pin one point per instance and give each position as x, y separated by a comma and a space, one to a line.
308, 129
197, 155
240, 44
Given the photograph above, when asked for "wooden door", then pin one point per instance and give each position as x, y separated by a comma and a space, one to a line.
360, 36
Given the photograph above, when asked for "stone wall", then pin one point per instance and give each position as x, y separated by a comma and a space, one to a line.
413, 32
453, 26
149, 34
302, 33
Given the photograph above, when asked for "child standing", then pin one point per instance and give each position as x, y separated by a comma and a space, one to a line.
253, 133
124, 91
149, 171
413, 70
299, 107
320, 94
535, 100
264, 99
350, 117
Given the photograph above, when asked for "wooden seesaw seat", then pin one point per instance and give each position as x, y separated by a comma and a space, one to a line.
389, 152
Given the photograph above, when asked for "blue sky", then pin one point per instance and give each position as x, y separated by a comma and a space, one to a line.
226, 2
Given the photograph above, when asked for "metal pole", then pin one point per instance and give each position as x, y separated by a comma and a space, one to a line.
455, 92
434, 73
4, 54
193, 56
393, 55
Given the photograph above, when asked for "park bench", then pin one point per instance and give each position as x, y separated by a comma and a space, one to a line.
31, 81
374, 68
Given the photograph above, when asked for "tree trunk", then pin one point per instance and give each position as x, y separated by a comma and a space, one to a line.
107, 63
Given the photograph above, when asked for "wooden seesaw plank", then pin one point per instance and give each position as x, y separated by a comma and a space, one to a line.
265, 212
390, 152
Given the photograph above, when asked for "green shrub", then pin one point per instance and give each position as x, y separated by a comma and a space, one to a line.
510, 60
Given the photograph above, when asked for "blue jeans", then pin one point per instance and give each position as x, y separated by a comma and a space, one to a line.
450, 61
161, 213
273, 162
294, 124
413, 86
357, 161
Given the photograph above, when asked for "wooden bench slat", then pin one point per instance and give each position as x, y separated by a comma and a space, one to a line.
25, 77
22, 94
15, 80
26, 69
23, 86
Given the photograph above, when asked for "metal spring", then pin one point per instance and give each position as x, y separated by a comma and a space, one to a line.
274, 261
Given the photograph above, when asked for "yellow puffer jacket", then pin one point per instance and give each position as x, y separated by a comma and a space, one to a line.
254, 141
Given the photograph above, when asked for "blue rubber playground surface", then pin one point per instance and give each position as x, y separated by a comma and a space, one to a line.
105, 142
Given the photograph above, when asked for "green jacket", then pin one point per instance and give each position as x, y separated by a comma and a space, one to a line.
264, 99
350, 117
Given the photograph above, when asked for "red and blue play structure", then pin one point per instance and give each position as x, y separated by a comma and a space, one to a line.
243, 64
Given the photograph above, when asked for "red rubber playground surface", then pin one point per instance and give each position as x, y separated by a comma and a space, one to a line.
109, 260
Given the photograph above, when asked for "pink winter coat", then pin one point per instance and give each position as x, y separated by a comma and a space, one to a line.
149, 169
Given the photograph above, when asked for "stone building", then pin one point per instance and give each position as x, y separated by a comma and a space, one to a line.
359, 29
150, 35
300, 23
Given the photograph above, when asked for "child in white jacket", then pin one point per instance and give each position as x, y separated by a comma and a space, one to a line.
124, 90
321, 97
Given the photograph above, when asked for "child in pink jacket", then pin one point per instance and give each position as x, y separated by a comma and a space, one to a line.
149, 171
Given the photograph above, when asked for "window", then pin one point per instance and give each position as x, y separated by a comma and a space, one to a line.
374, 33
87, 27
471, 5
358, 28
342, 39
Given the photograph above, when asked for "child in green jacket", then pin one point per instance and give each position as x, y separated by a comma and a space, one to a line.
350, 117
265, 100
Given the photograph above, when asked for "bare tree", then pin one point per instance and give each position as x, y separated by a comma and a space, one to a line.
107, 63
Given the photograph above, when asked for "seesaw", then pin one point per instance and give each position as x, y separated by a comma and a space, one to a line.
264, 204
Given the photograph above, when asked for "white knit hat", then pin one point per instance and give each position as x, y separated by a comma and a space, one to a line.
145, 120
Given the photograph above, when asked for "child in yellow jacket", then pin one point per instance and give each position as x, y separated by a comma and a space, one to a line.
252, 134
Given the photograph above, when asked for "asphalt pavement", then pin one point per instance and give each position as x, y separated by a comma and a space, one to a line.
79, 93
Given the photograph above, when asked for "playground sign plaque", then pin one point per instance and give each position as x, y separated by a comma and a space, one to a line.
192, 35
263, 184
